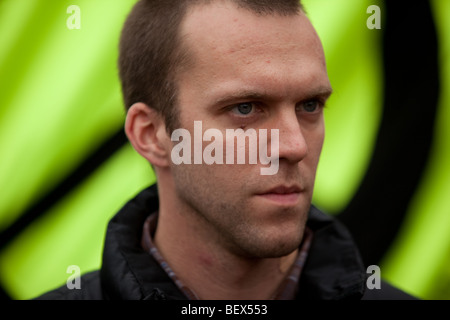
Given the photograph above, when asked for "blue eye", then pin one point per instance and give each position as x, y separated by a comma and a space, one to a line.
244, 108
310, 106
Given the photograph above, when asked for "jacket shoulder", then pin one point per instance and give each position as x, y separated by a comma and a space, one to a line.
387, 292
90, 289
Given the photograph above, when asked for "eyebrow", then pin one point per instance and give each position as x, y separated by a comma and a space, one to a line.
321, 91
242, 95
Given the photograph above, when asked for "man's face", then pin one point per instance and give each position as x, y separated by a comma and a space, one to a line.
252, 72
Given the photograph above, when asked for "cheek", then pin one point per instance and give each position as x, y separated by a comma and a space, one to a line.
315, 140
318, 144
208, 178
215, 191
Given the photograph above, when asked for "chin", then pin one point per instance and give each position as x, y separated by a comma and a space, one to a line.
273, 247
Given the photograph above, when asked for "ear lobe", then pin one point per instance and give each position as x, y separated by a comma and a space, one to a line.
146, 131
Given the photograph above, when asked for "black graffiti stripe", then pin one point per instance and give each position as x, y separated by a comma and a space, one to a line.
411, 91
42, 205
3, 294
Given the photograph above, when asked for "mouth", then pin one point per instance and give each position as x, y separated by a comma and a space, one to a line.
282, 195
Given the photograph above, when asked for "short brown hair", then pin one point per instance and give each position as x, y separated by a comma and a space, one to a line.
150, 51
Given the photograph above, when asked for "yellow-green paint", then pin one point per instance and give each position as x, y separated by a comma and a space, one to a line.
60, 98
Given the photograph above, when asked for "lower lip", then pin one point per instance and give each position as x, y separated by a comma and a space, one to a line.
284, 199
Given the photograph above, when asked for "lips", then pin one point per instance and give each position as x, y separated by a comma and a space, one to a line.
284, 190
282, 195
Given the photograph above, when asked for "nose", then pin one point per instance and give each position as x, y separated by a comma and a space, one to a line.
292, 143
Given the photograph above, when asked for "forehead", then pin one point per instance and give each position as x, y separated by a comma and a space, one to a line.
223, 28
231, 48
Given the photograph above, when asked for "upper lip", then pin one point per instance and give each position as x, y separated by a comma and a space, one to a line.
283, 189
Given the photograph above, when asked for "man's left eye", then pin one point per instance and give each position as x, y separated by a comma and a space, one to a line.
310, 106
243, 108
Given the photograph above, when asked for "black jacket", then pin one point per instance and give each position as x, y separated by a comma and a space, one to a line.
333, 270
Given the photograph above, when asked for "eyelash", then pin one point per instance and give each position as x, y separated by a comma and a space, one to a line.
255, 108
319, 102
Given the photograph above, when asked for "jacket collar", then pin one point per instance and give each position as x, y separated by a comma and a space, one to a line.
128, 272
333, 270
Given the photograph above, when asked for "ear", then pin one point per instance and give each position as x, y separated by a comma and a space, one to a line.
146, 131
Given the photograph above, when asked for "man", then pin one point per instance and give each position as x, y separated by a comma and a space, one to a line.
223, 229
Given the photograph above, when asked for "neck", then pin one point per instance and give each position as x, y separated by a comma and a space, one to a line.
208, 268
